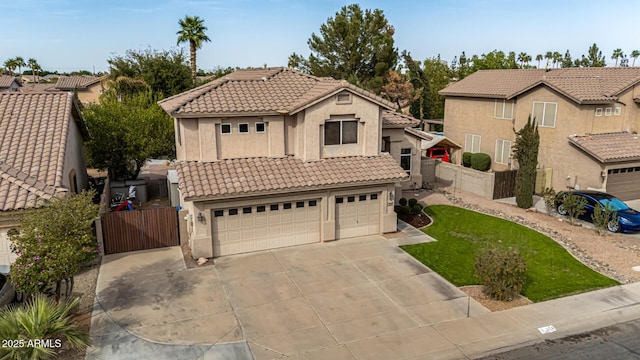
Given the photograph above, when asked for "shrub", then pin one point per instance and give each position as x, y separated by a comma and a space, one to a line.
549, 196
404, 210
603, 216
416, 209
481, 161
502, 272
402, 202
573, 206
412, 202
466, 159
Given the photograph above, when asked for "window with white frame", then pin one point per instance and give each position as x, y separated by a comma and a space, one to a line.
617, 111
503, 109
260, 127
503, 151
243, 128
545, 113
598, 112
340, 132
607, 111
405, 160
472, 143
225, 128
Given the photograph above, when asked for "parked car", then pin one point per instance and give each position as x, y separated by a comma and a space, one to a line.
628, 218
438, 153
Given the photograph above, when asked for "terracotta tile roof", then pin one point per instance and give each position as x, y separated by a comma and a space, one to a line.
271, 90
6, 81
609, 147
33, 136
38, 87
582, 85
392, 119
76, 82
419, 133
263, 175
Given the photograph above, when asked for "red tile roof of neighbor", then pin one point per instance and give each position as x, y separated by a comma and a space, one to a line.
234, 177
261, 91
609, 147
392, 119
33, 137
594, 85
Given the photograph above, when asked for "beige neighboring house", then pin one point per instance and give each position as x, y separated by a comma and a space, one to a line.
89, 88
41, 154
588, 120
269, 158
9, 84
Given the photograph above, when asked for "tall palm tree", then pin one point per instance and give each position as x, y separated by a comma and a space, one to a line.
10, 65
19, 63
548, 56
192, 31
527, 59
617, 54
634, 55
557, 58
35, 67
40, 318
521, 58
539, 58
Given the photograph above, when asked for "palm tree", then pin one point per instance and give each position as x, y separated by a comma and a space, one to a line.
521, 58
40, 318
617, 54
634, 55
548, 56
539, 58
19, 63
527, 59
557, 58
10, 65
192, 31
34, 66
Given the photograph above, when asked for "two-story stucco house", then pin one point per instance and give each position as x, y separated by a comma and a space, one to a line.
273, 157
89, 88
41, 155
588, 119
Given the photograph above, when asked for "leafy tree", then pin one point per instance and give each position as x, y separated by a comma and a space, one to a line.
557, 59
617, 54
399, 89
464, 68
126, 132
594, 58
525, 151
548, 56
354, 45
42, 319
604, 217
165, 72
438, 76
192, 30
54, 241
567, 62
494, 60
420, 107
634, 55
573, 206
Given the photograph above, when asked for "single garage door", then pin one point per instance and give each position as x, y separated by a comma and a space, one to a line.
624, 183
265, 226
357, 215
6, 256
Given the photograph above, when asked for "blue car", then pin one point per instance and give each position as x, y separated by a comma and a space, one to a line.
628, 218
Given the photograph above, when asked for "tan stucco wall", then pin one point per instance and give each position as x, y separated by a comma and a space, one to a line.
91, 94
570, 165
401, 140
74, 159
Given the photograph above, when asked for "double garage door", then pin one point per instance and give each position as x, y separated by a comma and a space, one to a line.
624, 183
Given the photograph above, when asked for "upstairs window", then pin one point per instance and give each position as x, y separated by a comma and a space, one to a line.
225, 128
545, 113
617, 111
260, 127
471, 143
405, 160
503, 151
503, 109
341, 132
598, 112
607, 111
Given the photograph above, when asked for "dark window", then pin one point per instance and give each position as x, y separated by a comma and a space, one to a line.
233, 211
349, 132
386, 144
260, 208
218, 213
286, 206
339, 200
340, 132
351, 198
273, 207
300, 204
246, 210
225, 128
243, 128
260, 127
312, 203
374, 196
362, 198
405, 160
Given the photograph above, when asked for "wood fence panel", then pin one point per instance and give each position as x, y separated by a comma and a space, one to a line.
160, 227
139, 230
504, 185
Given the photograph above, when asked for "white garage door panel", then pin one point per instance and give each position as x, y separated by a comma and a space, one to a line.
246, 232
359, 217
6, 256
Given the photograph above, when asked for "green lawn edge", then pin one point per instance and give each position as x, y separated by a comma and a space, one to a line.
461, 234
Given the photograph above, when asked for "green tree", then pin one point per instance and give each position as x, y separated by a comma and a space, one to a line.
420, 107
549, 57
354, 45
605, 218
617, 54
10, 65
572, 205
539, 58
567, 62
634, 55
494, 60
54, 241
41, 319
438, 76
165, 72
126, 132
34, 67
525, 151
594, 58
19, 63
557, 59
192, 30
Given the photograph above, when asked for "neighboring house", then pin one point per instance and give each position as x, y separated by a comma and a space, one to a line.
89, 88
8, 83
404, 147
587, 118
273, 157
41, 154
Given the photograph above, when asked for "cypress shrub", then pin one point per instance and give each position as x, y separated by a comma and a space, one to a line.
481, 161
466, 159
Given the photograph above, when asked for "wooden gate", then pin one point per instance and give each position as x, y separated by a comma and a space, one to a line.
504, 185
139, 229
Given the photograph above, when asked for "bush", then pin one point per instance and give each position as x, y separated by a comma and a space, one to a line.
404, 210
416, 209
572, 206
481, 161
466, 159
412, 202
502, 272
402, 202
602, 216
549, 196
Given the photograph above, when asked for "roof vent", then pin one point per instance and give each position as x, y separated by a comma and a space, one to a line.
264, 78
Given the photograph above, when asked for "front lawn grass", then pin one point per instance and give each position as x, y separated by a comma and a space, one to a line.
551, 271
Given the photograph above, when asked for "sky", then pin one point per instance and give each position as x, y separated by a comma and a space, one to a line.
69, 35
